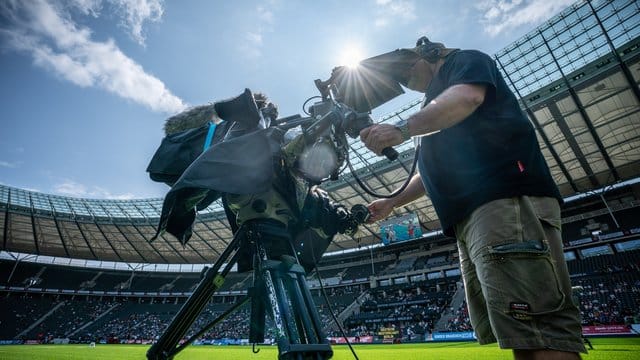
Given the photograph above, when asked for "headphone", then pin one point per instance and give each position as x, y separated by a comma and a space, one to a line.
430, 51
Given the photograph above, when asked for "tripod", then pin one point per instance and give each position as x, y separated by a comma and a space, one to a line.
279, 290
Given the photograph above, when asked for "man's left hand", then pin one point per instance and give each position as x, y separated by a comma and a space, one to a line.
380, 136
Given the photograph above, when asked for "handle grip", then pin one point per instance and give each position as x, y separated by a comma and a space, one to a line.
390, 153
360, 213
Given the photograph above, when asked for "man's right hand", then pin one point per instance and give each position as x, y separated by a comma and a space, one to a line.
380, 136
380, 209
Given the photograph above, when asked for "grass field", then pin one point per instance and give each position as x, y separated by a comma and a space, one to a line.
605, 349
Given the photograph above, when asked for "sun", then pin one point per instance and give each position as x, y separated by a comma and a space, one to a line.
351, 56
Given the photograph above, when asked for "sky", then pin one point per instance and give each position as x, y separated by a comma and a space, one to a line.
86, 85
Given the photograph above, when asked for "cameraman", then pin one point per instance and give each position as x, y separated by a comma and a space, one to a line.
481, 165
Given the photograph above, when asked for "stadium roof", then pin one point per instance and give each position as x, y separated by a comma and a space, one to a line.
577, 79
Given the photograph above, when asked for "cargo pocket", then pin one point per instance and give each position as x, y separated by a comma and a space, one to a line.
525, 276
547, 210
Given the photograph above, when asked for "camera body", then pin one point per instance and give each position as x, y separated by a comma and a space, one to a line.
263, 177
280, 228
342, 116
335, 108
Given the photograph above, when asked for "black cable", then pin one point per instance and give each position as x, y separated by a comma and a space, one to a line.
344, 147
368, 190
326, 300
333, 315
307, 101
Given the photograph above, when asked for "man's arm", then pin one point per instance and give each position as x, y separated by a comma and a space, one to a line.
447, 109
381, 208
451, 107
412, 192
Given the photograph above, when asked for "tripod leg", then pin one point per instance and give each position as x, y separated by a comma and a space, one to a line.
305, 317
299, 331
213, 323
213, 279
283, 304
313, 313
281, 286
269, 293
257, 317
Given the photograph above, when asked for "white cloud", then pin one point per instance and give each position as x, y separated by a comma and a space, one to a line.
133, 13
72, 188
136, 13
254, 38
265, 15
394, 11
10, 165
500, 16
252, 45
253, 41
58, 44
381, 22
87, 7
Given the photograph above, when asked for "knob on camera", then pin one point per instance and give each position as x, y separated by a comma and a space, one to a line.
360, 213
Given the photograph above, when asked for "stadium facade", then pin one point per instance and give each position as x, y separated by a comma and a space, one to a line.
576, 77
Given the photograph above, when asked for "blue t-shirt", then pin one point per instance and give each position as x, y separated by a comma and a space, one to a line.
490, 155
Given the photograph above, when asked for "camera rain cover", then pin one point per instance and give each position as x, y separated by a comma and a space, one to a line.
375, 81
178, 150
240, 164
237, 166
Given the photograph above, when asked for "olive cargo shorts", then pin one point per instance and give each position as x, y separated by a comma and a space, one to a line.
515, 276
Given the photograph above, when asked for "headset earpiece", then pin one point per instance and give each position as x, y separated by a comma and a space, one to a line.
430, 51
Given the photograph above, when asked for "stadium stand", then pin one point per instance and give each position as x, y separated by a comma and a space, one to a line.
610, 295
412, 292
21, 311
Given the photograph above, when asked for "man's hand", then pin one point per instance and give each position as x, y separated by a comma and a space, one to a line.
380, 136
380, 209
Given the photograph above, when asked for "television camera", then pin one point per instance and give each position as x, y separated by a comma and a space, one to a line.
282, 222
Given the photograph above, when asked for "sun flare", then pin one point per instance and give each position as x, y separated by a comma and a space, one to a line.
351, 57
